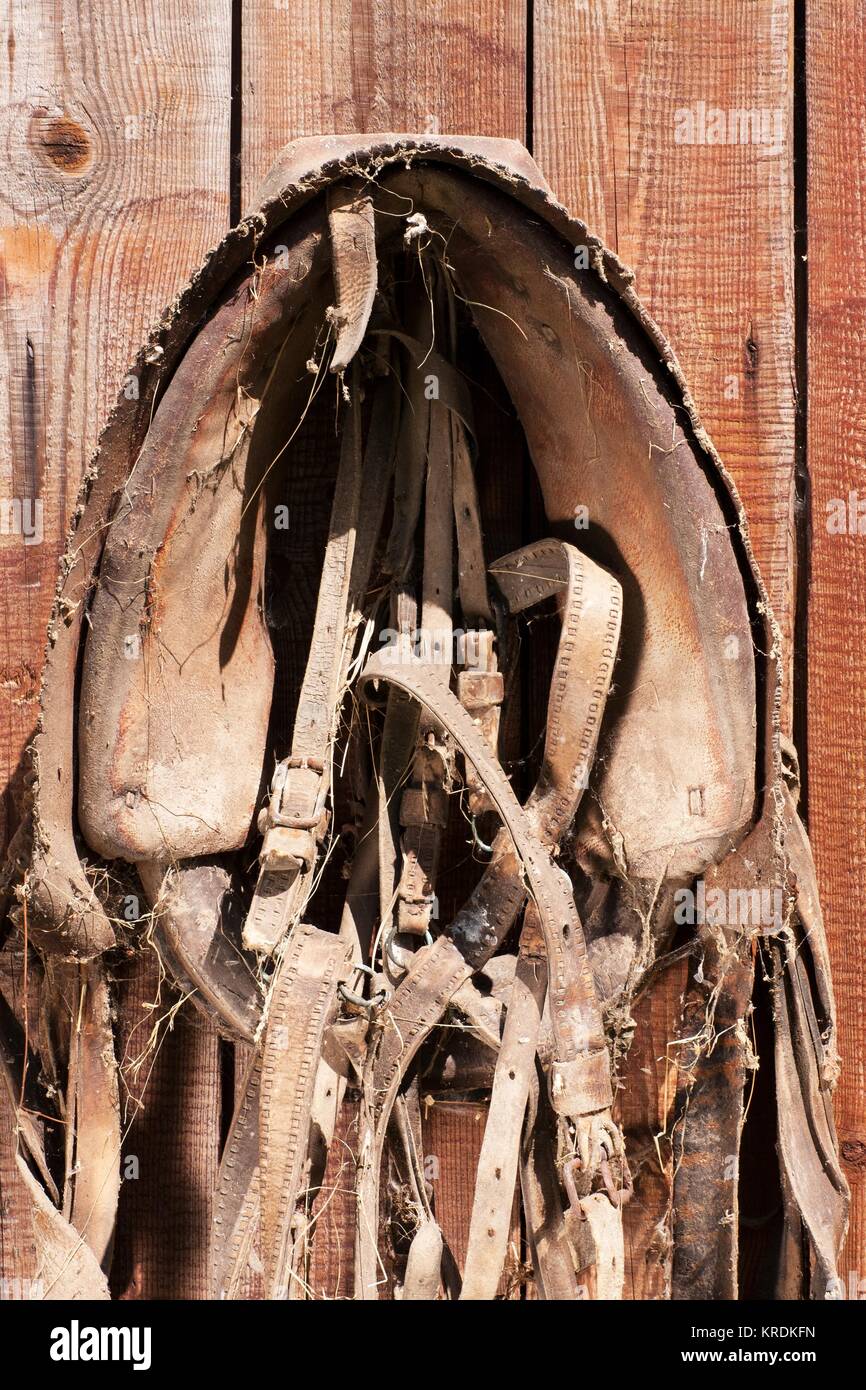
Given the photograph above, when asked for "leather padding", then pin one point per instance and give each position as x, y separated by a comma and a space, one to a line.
602, 300
159, 608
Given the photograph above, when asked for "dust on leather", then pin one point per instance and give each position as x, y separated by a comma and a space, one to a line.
409, 664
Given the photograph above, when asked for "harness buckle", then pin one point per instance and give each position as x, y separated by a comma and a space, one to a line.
295, 819
356, 1003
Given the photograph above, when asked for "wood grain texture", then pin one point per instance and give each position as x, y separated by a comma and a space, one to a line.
646, 1112
836, 55
321, 67
114, 127
619, 87
706, 226
311, 68
331, 1271
17, 1243
170, 1103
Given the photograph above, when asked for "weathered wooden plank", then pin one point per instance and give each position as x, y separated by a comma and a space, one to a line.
668, 130
453, 1135
116, 133
170, 1104
17, 1244
20, 992
312, 68
646, 1106
836, 54
116, 138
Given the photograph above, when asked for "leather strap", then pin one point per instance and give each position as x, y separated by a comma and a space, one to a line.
92, 1112
295, 819
424, 803
352, 226
236, 1200
590, 601
264, 1171
577, 1026
500, 1149
415, 1008
303, 1003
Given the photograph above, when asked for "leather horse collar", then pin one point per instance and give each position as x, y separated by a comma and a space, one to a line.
182, 734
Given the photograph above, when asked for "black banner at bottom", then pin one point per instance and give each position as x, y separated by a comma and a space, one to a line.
243, 1340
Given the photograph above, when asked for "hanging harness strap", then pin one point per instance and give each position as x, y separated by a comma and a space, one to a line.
579, 1076
590, 601
296, 818
492, 1205
424, 802
238, 1192
480, 686
236, 1200
553, 803
352, 224
303, 1004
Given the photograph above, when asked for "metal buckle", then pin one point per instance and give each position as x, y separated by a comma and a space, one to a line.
570, 1188
357, 1001
389, 947
275, 816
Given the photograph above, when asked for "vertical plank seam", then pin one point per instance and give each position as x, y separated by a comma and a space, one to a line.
529, 133
529, 82
802, 486
235, 112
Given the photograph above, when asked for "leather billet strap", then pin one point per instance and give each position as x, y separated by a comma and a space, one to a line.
489, 1226
236, 1199
264, 1173
424, 802
576, 1021
302, 1004
296, 818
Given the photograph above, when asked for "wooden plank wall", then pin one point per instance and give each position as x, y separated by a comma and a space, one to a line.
133, 134
116, 128
836, 706
707, 228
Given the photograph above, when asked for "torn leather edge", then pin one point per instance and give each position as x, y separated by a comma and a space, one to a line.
304, 170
